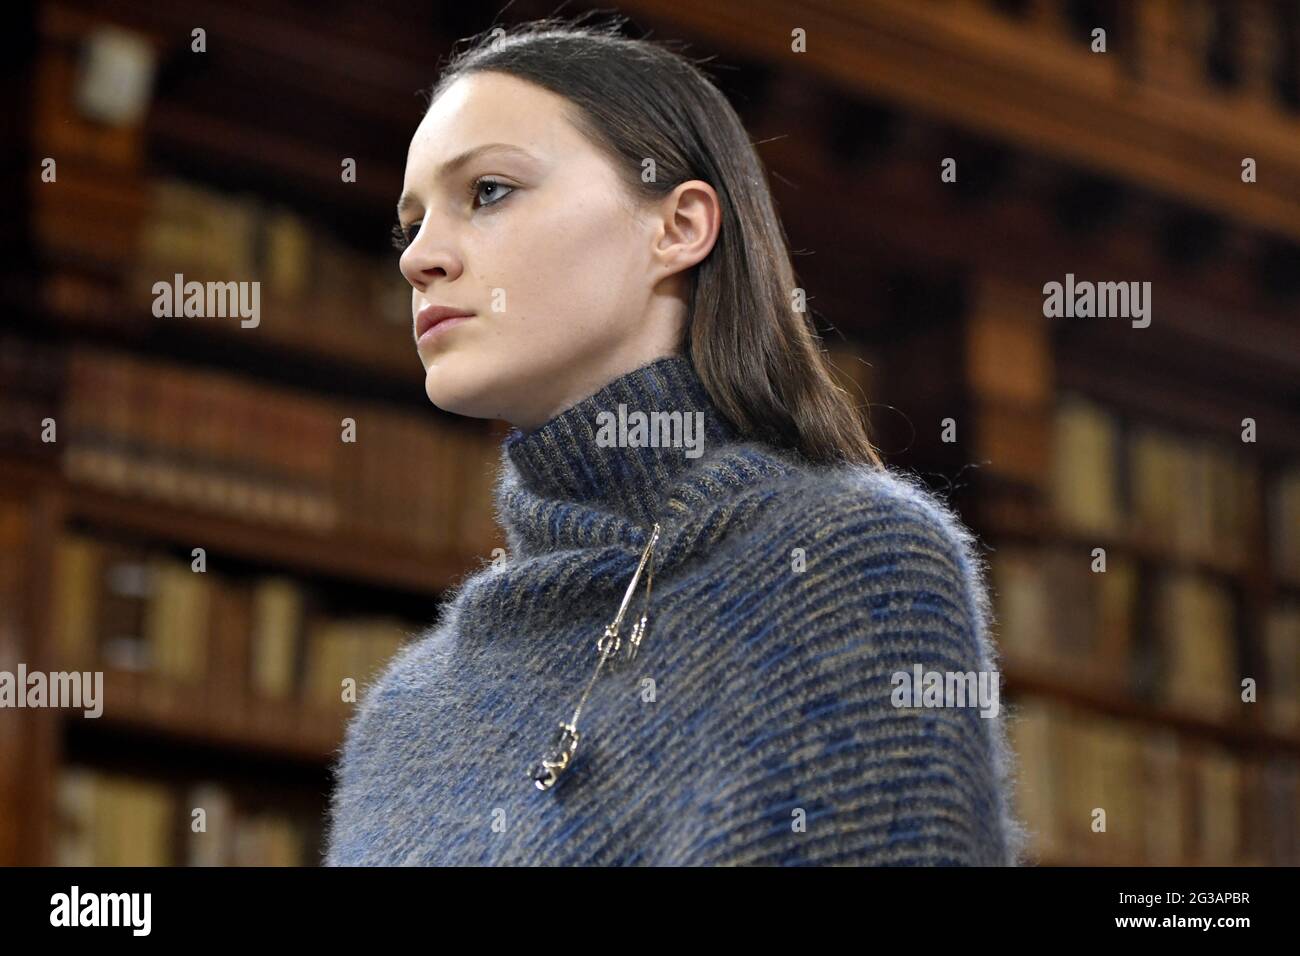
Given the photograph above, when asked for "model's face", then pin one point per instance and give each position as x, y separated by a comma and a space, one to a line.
559, 268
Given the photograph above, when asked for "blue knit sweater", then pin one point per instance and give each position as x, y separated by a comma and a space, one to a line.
760, 723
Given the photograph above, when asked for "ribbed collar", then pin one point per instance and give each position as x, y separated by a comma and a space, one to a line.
571, 457
561, 489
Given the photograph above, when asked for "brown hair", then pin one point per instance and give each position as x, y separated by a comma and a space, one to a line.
758, 357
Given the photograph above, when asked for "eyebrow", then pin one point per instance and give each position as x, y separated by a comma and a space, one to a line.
448, 168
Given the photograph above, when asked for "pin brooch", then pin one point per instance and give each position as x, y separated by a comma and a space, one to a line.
559, 757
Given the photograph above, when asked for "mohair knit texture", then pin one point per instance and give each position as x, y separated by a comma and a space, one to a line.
756, 725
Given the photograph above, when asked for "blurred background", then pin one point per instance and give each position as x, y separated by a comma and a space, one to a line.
1165, 149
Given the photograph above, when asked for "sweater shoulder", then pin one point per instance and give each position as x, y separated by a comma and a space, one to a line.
867, 572
823, 501
891, 563
895, 499
870, 538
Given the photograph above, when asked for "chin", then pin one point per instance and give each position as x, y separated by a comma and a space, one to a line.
458, 393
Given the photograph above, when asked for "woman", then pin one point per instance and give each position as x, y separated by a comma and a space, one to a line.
591, 206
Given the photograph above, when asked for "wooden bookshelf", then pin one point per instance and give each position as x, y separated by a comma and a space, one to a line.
154, 709
1031, 369
336, 556
387, 358
1029, 83
73, 303
940, 283
285, 729
1121, 703
80, 289
1000, 526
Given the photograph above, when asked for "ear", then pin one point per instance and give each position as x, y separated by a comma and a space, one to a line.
692, 216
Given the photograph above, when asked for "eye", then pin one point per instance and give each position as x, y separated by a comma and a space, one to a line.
403, 236
483, 182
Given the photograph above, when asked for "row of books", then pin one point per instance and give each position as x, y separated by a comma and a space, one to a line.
1167, 800
1284, 505
29, 385
1055, 615
15, 731
115, 819
232, 639
1171, 636
1193, 498
262, 453
89, 215
1179, 48
306, 277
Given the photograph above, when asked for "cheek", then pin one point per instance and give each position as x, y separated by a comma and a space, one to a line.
566, 271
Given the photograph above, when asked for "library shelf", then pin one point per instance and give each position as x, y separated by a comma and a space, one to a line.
73, 302
340, 556
191, 714
1121, 703
1045, 531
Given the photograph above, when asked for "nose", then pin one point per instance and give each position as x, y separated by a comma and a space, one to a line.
430, 255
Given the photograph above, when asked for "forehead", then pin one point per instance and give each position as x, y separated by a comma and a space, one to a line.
489, 108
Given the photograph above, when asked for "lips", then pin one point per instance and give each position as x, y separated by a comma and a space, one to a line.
431, 315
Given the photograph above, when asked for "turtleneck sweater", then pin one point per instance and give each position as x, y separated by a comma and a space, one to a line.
761, 722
